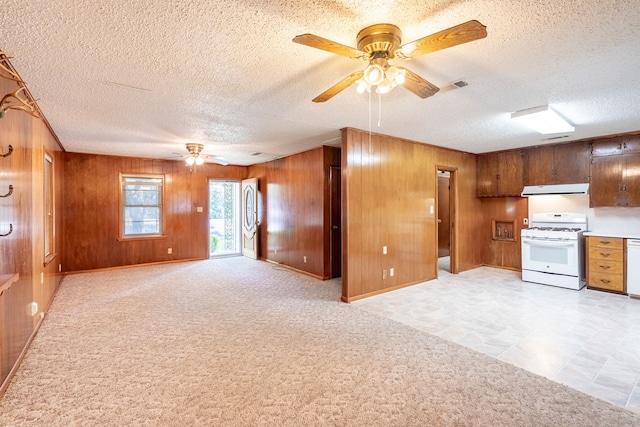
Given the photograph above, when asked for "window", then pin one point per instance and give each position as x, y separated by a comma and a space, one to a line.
48, 210
141, 205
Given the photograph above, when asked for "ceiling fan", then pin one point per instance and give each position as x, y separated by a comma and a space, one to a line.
379, 43
197, 157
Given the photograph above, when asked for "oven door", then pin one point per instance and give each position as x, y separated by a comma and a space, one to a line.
551, 256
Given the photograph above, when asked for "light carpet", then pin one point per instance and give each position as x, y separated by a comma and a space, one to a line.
237, 342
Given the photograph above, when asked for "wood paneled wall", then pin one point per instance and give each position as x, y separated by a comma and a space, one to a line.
22, 251
293, 210
389, 187
92, 211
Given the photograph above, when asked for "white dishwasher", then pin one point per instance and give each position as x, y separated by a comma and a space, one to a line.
633, 267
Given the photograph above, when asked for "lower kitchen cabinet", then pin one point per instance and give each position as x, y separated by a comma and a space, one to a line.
605, 264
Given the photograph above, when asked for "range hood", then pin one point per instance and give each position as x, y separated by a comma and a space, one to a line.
536, 190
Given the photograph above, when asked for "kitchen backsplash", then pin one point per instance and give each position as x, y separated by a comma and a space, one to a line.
624, 221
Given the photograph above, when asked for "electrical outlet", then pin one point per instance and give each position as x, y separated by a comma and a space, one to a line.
275, 252
304, 259
525, 221
199, 209
42, 277
391, 272
170, 251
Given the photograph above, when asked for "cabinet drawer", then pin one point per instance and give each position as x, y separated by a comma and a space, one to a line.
607, 254
606, 242
611, 282
605, 266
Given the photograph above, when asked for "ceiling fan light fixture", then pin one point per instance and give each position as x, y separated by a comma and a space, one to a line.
362, 86
373, 74
384, 86
190, 160
396, 75
199, 160
543, 120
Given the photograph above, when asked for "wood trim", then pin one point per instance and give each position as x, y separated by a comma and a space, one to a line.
147, 264
9, 65
384, 291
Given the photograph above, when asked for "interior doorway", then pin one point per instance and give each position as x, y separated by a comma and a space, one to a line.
224, 218
446, 207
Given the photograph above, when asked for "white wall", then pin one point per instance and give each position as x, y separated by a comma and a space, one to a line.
617, 221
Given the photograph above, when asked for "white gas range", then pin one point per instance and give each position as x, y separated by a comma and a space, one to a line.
553, 250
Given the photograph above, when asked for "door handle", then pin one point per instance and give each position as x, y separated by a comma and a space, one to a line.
335, 227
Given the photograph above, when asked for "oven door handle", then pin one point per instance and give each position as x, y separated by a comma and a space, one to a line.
548, 243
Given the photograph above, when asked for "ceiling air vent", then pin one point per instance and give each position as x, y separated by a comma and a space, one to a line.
454, 85
557, 137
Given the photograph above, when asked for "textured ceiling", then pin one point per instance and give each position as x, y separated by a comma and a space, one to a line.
142, 78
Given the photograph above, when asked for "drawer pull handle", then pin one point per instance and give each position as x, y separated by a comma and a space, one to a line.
605, 281
605, 255
605, 242
605, 267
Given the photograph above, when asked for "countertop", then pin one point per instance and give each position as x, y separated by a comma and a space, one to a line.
619, 235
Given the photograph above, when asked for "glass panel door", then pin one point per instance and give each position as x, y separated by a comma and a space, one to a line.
224, 218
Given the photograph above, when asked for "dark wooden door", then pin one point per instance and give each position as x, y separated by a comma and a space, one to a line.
444, 217
335, 206
631, 179
606, 179
607, 147
631, 143
487, 175
510, 173
571, 163
538, 166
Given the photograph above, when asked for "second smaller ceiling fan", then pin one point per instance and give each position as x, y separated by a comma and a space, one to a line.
379, 43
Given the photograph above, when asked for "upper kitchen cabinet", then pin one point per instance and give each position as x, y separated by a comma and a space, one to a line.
615, 180
616, 146
556, 164
499, 174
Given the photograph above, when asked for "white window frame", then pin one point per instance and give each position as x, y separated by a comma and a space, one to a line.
141, 179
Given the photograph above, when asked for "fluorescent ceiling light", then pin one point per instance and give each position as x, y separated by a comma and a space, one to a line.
543, 120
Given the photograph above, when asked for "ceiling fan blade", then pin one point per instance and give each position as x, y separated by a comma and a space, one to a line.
418, 85
328, 45
463, 33
339, 87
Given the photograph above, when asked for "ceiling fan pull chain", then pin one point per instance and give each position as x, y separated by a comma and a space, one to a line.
370, 145
379, 109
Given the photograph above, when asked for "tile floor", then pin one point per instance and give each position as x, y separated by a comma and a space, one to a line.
587, 340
